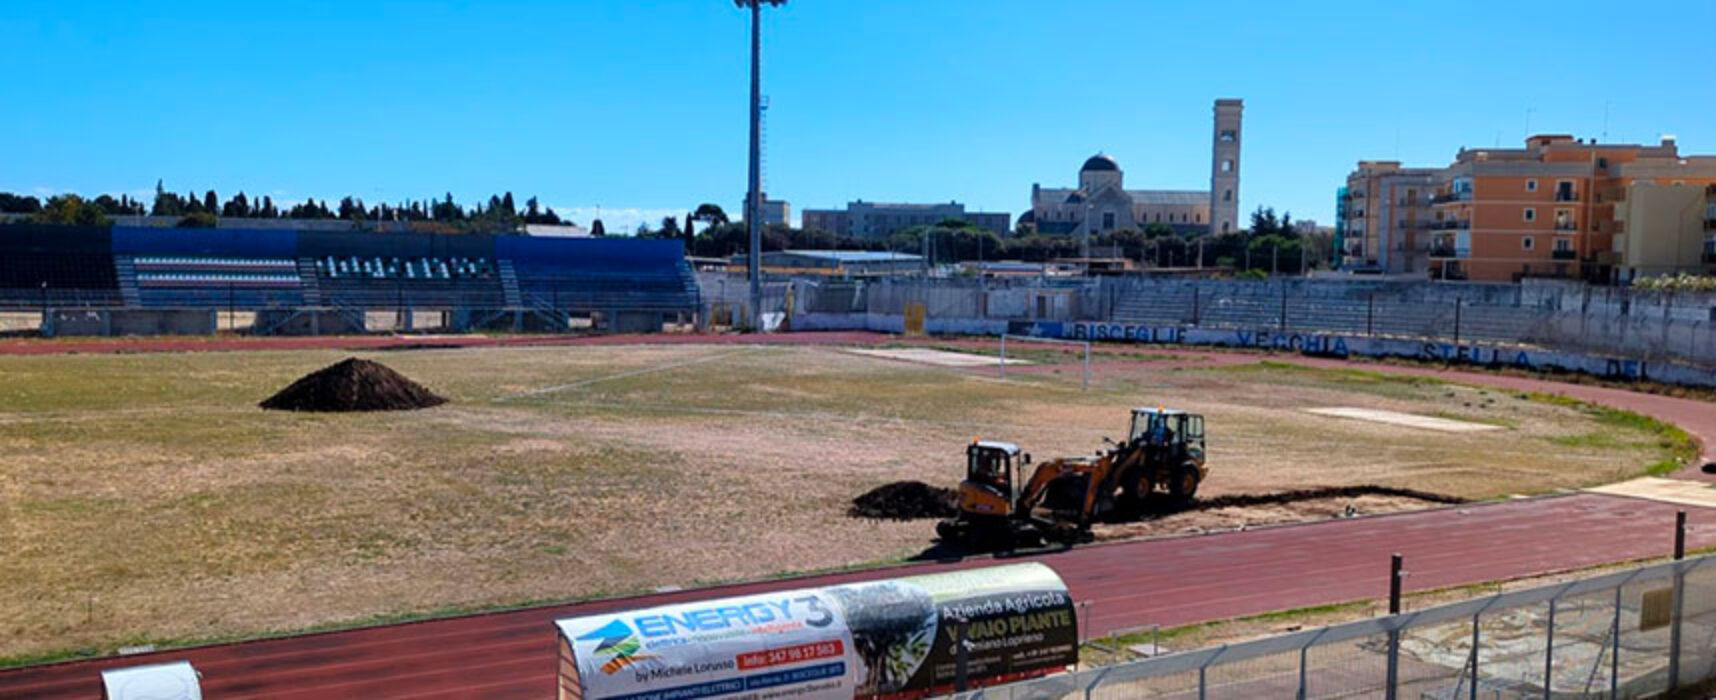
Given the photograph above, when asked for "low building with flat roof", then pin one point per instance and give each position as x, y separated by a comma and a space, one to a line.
833, 263
861, 219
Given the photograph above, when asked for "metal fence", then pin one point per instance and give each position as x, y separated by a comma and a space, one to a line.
1634, 633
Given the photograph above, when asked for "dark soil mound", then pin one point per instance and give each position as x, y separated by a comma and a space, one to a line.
353, 385
1709, 467
905, 500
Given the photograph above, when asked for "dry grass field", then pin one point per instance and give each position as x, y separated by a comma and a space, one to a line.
145, 497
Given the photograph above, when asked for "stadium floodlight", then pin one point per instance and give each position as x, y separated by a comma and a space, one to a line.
753, 193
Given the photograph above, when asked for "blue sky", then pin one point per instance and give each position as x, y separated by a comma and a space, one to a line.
639, 107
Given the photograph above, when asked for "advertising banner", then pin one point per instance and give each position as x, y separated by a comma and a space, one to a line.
896, 638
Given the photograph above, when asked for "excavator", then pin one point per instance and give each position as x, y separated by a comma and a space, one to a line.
1164, 451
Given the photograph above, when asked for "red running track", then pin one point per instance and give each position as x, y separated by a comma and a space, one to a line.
1171, 581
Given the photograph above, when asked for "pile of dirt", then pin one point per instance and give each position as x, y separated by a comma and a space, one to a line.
905, 500
353, 385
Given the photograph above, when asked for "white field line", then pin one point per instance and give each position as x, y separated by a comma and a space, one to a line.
622, 375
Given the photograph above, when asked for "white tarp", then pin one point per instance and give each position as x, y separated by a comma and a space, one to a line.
169, 681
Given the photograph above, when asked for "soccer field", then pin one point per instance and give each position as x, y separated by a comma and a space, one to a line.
144, 497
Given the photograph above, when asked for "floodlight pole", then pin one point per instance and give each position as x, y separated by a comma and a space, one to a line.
753, 199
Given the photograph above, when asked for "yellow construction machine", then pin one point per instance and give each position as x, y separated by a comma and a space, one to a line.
1164, 452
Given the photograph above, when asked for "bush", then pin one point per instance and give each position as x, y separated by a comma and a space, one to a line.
201, 219
1677, 283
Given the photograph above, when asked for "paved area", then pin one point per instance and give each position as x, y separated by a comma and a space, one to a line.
1678, 491
941, 358
1404, 420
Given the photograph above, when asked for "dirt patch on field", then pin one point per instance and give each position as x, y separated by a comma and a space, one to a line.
353, 385
904, 500
1241, 511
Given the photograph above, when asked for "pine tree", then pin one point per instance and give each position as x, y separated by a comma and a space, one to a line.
596, 229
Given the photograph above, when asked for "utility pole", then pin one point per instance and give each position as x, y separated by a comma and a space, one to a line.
753, 198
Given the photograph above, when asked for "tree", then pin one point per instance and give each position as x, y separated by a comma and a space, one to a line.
15, 204
669, 227
506, 206
643, 230
268, 208
69, 210
166, 203
596, 229
211, 203
710, 214
690, 234
238, 206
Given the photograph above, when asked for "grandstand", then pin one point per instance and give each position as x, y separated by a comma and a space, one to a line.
475, 280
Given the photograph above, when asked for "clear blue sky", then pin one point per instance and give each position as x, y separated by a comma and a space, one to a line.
641, 105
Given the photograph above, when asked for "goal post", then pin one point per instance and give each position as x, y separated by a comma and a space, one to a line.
1030, 339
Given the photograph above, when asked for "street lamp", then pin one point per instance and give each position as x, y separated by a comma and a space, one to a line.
753, 198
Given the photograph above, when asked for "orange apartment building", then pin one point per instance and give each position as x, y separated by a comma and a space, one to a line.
1558, 208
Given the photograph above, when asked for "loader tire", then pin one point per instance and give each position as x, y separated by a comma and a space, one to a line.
1184, 485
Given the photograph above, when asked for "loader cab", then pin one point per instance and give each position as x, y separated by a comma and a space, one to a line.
1162, 427
992, 467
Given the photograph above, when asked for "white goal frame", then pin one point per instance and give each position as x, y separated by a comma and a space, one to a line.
1085, 383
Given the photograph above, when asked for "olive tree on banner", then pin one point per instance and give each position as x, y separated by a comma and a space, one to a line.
893, 627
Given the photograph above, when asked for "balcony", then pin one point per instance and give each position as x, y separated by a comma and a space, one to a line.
1564, 255
1710, 224
1566, 226
1566, 196
1464, 196
1448, 225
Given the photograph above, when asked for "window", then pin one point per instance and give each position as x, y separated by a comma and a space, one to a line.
1530, 214
1227, 195
1224, 227
1531, 185
1228, 135
1227, 165
1563, 245
1108, 221
1527, 243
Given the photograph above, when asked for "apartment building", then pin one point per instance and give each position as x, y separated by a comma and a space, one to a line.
1385, 218
1550, 209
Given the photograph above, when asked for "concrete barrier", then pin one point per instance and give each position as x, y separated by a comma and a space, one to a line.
107, 322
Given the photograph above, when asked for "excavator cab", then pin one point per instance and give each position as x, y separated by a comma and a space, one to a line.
991, 485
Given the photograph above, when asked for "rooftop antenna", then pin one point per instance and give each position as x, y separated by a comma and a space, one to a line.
1528, 122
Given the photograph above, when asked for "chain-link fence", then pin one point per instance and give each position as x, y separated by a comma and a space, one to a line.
1634, 633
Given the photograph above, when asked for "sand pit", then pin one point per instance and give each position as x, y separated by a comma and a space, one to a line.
353, 385
1406, 420
940, 358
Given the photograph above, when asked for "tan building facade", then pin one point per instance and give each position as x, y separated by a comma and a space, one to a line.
1549, 209
1666, 230
1388, 221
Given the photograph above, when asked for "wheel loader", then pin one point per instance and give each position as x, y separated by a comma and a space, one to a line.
1164, 452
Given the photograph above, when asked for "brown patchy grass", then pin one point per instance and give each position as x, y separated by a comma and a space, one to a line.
144, 497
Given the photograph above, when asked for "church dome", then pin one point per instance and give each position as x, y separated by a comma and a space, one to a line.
1100, 162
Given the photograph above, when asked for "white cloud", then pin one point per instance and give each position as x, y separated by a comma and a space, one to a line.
617, 220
